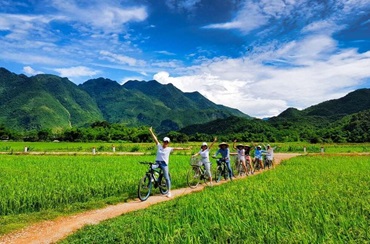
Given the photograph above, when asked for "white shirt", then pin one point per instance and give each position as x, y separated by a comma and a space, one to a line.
241, 154
205, 155
270, 154
163, 154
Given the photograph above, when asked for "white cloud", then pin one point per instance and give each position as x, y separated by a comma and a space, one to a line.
116, 58
30, 71
103, 15
182, 4
253, 15
165, 53
75, 72
30, 58
314, 70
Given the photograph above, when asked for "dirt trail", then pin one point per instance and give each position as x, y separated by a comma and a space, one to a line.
54, 230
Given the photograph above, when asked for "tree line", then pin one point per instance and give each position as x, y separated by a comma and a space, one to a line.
353, 129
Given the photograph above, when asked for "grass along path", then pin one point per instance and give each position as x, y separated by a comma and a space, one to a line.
52, 231
308, 199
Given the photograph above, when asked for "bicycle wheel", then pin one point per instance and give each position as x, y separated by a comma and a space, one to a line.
162, 184
205, 177
240, 169
219, 173
144, 188
193, 176
256, 165
249, 170
225, 172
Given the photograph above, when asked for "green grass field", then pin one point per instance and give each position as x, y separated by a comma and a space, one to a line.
35, 186
149, 148
309, 199
41, 187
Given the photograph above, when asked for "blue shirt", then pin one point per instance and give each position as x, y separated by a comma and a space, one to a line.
225, 153
258, 153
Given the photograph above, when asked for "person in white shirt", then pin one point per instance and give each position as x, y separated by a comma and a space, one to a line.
241, 156
163, 157
270, 153
204, 153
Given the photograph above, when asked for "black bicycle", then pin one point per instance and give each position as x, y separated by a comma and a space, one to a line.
222, 170
153, 177
257, 164
196, 173
268, 163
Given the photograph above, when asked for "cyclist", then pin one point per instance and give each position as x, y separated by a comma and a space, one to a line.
258, 156
247, 149
241, 155
225, 153
162, 158
204, 153
270, 153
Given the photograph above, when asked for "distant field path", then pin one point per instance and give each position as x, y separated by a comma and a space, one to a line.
54, 230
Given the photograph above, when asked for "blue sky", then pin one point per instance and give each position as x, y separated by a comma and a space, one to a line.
260, 57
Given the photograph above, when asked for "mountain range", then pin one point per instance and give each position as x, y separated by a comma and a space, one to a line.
50, 102
346, 119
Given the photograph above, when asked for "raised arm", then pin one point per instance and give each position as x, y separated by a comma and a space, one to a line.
234, 144
154, 136
214, 140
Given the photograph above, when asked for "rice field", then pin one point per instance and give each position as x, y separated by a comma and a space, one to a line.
308, 199
38, 183
9, 147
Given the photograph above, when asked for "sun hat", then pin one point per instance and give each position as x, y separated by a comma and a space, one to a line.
223, 143
204, 144
240, 145
259, 146
166, 139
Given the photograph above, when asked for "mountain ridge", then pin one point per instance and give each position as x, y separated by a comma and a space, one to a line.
47, 101
345, 119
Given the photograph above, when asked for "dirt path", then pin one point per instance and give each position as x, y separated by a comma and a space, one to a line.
54, 230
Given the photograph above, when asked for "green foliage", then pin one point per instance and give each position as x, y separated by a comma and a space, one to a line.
306, 200
150, 103
51, 102
43, 102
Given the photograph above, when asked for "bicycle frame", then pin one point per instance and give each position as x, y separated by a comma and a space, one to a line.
149, 180
196, 173
222, 169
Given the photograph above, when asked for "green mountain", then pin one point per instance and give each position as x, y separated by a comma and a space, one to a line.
43, 101
340, 120
150, 103
51, 102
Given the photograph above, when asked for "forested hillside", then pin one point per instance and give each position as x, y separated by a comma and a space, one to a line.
345, 119
49, 102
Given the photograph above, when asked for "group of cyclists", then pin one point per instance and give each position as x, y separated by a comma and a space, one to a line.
243, 157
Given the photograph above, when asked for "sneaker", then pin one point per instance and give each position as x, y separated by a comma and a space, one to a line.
169, 195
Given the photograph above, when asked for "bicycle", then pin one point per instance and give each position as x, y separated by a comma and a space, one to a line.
153, 177
222, 170
240, 168
268, 163
196, 173
257, 164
